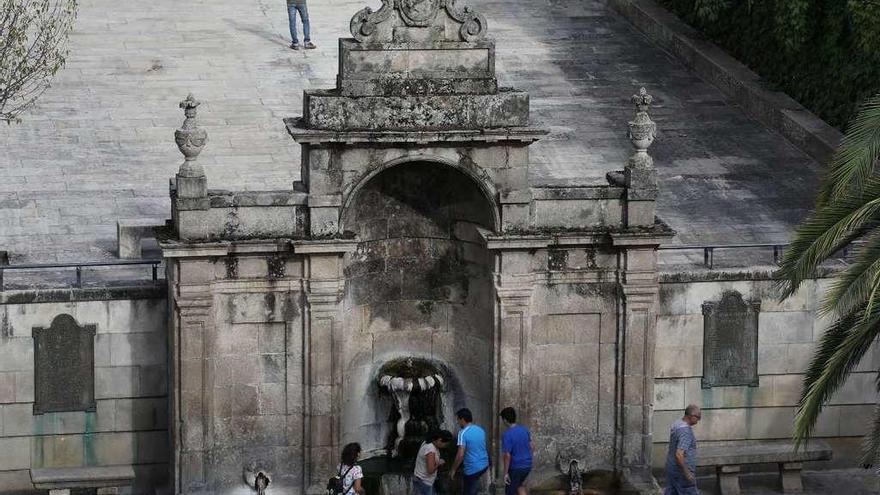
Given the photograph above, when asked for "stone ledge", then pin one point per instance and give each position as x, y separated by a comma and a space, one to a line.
691, 273
296, 127
222, 199
82, 477
88, 294
577, 192
774, 109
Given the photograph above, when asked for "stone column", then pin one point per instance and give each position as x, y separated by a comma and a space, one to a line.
640, 297
514, 294
323, 288
192, 323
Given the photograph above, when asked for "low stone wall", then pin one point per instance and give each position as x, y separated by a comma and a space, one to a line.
129, 424
788, 333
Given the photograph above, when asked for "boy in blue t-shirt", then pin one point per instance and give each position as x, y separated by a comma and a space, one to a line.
471, 451
516, 443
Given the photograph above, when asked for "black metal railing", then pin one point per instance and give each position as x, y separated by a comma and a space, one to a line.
709, 250
78, 267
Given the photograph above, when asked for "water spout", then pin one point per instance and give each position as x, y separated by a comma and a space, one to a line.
573, 473
403, 379
257, 480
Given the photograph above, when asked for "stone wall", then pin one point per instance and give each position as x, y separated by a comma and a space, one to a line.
570, 357
129, 425
788, 332
237, 346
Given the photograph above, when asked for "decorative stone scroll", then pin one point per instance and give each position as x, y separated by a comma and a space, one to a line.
64, 366
428, 14
730, 341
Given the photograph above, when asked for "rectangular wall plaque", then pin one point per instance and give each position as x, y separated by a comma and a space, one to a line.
64, 366
730, 341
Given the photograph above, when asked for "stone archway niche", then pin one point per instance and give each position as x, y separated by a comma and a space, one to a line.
418, 293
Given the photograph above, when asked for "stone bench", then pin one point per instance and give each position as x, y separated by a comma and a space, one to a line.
59, 481
131, 231
729, 456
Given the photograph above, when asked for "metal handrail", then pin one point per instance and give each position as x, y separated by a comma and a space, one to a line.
79, 266
709, 250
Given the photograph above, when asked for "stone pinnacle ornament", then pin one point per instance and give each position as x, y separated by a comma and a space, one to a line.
190, 139
641, 131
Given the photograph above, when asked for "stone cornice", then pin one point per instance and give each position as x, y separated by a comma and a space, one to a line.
177, 249
311, 136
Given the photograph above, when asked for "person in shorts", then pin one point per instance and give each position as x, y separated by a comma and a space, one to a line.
428, 462
517, 448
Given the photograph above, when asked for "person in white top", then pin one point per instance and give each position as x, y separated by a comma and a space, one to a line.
428, 462
348, 469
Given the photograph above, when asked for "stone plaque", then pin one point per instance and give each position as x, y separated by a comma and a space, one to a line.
730, 341
64, 366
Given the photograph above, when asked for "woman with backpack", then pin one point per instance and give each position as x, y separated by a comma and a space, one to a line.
349, 474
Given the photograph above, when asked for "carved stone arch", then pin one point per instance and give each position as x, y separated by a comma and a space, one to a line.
476, 174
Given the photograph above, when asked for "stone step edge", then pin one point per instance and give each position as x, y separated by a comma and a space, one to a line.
774, 109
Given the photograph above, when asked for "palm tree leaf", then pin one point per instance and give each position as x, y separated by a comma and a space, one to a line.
852, 288
854, 160
825, 232
840, 349
871, 447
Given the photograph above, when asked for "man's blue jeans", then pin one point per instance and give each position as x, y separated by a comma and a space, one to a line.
304, 15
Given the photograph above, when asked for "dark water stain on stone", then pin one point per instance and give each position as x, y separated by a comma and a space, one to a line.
6, 329
269, 299
231, 267
276, 265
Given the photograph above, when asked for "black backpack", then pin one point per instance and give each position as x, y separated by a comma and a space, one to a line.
335, 485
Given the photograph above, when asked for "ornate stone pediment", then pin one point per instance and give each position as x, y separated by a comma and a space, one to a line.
399, 21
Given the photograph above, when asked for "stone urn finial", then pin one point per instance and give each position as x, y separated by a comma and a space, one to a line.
190, 139
641, 131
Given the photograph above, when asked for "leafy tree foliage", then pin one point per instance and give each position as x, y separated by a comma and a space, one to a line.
823, 53
33, 47
847, 213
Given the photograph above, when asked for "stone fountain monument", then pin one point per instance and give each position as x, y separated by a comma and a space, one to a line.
414, 269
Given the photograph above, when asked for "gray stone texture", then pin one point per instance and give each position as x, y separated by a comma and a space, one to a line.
129, 421
97, 147
787, 335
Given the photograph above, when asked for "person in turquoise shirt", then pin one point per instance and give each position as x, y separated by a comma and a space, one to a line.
294, 6
471, 452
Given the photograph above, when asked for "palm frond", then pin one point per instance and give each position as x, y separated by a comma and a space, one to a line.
826, 231
871, 447
854, 160
852, 287
840, 349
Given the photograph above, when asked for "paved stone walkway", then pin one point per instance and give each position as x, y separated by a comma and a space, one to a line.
99, 147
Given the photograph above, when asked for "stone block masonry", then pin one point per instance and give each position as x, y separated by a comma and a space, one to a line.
129, 423
788, 334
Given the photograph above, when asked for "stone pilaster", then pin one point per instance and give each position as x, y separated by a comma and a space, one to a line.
639, 296
514, 297
323, 288
191, 325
